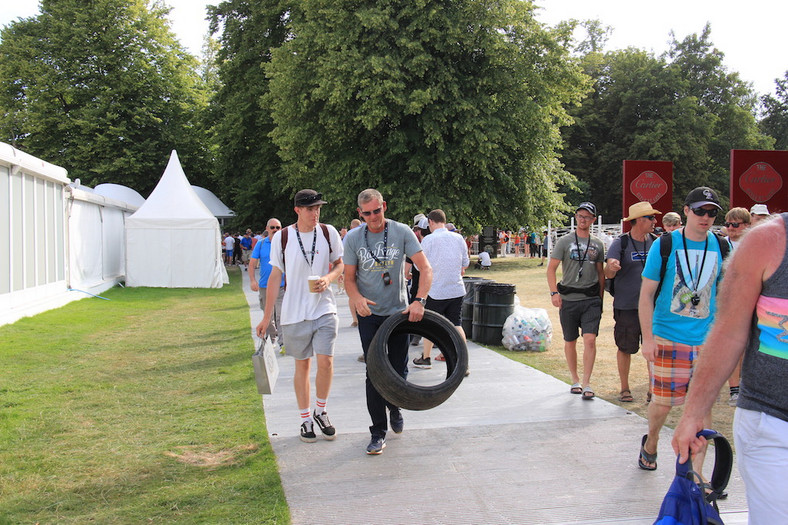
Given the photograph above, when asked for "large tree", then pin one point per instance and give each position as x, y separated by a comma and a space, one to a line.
438, 104
684, 107
775, 120
102, 88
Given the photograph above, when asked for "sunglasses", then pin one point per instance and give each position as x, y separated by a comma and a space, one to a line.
649, 217
375, 212
733, 224
274, 227
700, 212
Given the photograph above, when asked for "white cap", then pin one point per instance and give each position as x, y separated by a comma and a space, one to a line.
759, 209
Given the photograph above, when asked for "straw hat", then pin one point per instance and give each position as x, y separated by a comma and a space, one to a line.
641, 209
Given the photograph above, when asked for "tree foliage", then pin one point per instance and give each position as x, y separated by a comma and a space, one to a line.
102, 88
775, 120
452, 105
683, 107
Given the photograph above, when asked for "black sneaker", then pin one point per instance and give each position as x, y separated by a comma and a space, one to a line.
396, 421
308, 432
376, 445
329, 432
422, 362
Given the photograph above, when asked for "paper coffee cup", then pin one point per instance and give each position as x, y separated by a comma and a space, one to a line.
313, 279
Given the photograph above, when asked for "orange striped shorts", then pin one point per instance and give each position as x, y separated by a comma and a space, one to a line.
672, 370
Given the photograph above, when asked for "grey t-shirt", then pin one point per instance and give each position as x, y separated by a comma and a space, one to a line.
401, 242
628, 278
570, 254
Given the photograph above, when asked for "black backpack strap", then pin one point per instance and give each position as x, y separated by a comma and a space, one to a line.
723, 463
327, 236
665, 247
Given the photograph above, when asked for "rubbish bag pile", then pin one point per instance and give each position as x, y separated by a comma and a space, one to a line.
527, 329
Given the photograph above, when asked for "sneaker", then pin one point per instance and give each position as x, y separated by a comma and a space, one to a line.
308, 432
422, 362
376, 445
396, 421
329, 432
733, 400
361, 359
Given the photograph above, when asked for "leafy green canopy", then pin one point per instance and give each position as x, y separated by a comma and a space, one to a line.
103, 89
452, 105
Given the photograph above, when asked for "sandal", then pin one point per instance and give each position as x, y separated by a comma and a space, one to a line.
440, 357
626, 396
645, 457
576, 389
588, 394
648, 398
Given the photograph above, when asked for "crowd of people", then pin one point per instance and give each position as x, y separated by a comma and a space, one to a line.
665, 303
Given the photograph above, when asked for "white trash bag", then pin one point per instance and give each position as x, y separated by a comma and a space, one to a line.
527, 329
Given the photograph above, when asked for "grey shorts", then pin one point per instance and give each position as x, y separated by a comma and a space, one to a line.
307, 338
584, 314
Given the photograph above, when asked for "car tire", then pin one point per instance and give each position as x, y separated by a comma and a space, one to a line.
397, 390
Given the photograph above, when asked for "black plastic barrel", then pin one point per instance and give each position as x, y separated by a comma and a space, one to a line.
467, 303
493, 303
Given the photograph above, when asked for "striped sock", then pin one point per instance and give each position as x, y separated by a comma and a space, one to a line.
320, 405
306, 415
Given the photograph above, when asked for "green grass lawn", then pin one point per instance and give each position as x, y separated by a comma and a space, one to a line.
140, 409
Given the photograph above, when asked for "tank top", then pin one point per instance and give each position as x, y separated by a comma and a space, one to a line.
764, 387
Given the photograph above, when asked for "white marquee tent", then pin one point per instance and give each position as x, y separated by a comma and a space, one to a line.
173, 239
217, 207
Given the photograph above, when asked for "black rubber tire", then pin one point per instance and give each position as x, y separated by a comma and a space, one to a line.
399, 391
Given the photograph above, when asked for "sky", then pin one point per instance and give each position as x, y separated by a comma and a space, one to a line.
750, 34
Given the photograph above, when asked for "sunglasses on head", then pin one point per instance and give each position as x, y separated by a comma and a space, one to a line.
700, 212
376, 211
733, 224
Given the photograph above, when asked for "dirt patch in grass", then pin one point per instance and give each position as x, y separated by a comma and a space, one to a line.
209, 458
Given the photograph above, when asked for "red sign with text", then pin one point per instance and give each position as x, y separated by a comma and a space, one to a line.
650, 181
759, 177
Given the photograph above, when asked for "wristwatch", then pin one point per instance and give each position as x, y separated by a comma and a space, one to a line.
554, 293
422, 300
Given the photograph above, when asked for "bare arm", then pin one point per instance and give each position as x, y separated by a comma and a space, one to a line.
601, 275
271, 293
648, 289
252, 279
357, 301
728, 338
611, 268
552, 281
415, 310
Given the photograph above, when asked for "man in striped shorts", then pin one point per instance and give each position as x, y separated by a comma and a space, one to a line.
675, 326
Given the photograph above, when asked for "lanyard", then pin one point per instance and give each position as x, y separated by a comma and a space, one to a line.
301, 244
385, 242
696, 280
581, 258
641, 256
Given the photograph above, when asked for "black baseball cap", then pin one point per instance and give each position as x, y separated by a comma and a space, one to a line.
587, 206
702, 196
308, 198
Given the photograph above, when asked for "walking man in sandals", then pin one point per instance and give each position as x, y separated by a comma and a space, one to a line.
675, 325
626, 259
579, 294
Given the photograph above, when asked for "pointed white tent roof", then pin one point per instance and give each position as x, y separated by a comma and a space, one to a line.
174, 198
217, 207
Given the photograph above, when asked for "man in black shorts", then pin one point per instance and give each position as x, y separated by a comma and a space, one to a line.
448, 255
626, 259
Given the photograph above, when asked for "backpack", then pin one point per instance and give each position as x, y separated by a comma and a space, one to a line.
666, 247
610, 284
686, 502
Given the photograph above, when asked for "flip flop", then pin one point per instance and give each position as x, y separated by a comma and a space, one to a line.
645, 457
588, 394
626, 396
440, 357
576, 389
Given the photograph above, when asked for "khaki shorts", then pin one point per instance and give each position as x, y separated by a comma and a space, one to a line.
307, 338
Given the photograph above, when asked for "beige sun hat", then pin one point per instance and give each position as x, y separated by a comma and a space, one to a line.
641, 209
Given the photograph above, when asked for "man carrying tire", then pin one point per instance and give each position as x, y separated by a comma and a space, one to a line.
376, 287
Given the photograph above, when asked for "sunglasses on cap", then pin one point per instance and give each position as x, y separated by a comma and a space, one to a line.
700, 212
376, 211
733, 224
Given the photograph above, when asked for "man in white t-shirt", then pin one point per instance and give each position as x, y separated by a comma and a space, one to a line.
309, 254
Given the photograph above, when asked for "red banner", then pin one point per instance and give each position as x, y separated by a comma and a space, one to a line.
650, 181
759, 177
